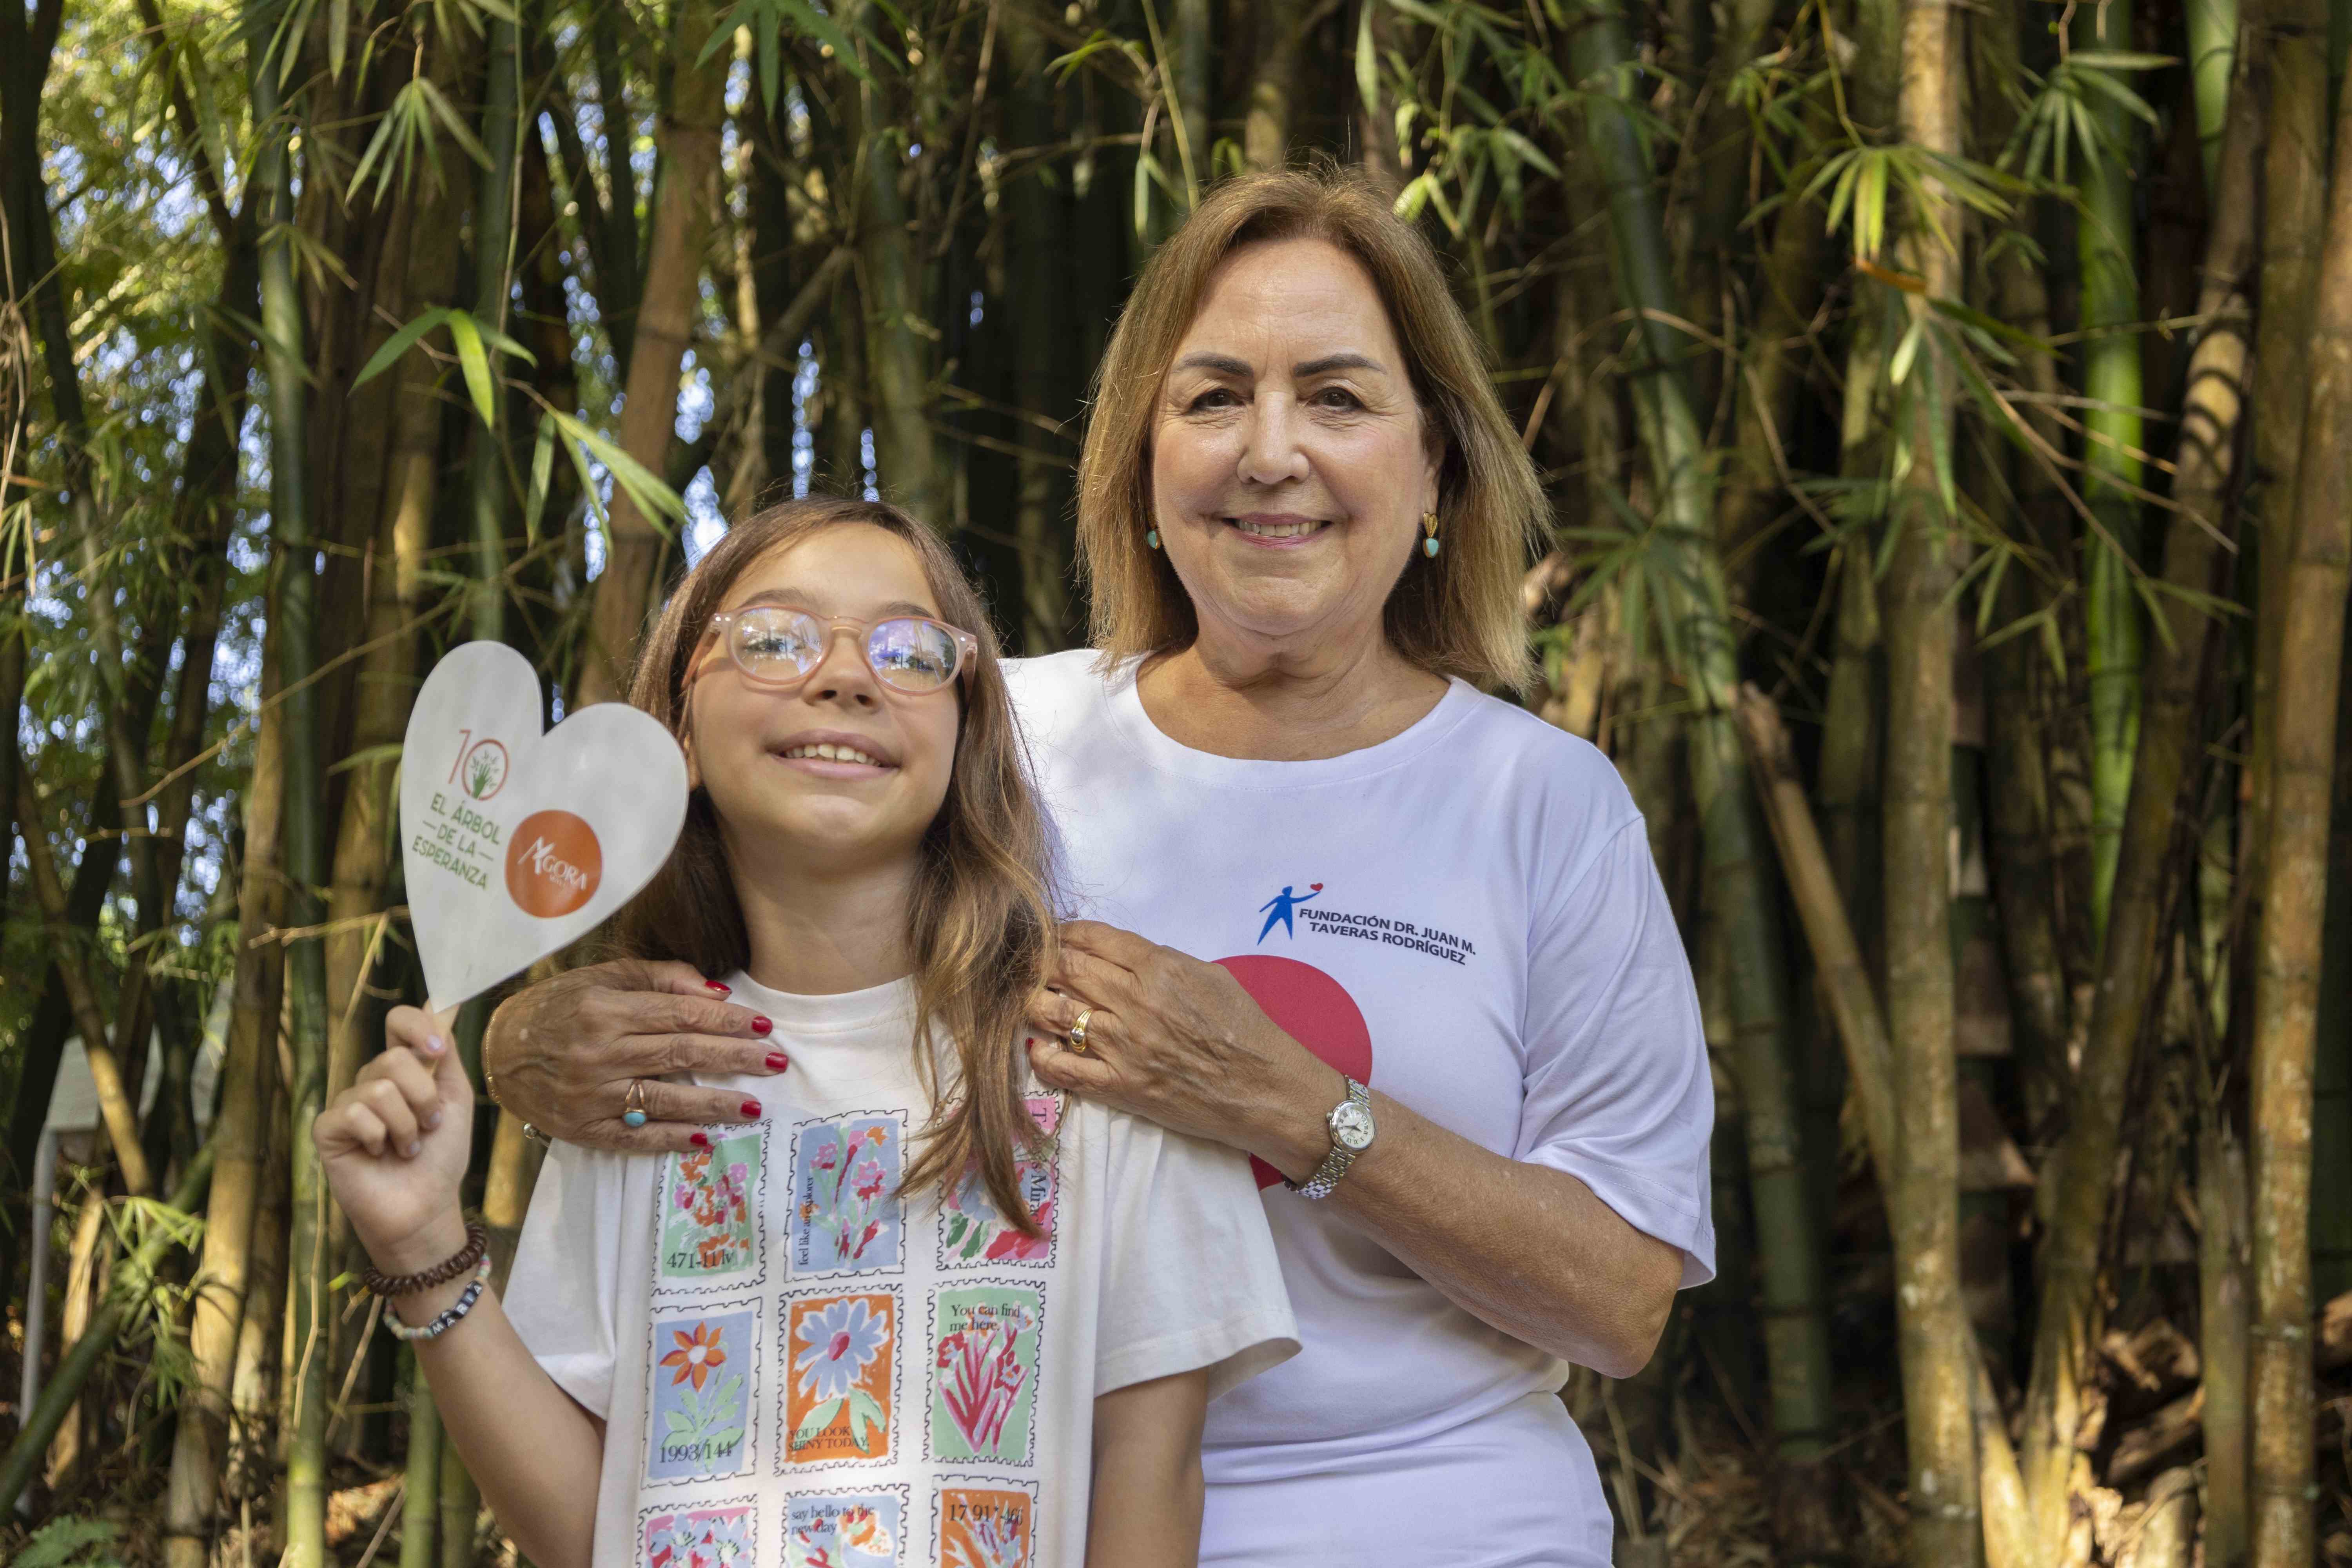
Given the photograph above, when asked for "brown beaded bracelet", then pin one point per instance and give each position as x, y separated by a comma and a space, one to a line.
478, 1242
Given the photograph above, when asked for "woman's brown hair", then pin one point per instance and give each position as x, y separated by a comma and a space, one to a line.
1457, 615
980, 925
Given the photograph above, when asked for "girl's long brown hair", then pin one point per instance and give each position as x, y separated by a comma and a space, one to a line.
981, 924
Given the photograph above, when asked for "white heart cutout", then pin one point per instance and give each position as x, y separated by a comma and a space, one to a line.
518, 841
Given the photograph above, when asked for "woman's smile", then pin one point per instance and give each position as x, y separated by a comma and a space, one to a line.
1279, 530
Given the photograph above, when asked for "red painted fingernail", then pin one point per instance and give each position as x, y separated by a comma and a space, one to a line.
722, 990
777, 1062
750, 1108
760, 1025
700, 1141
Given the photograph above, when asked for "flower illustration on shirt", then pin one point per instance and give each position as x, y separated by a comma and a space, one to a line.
720, 1539
835, 1345
840, 1340
697, 1354
843, 1539
974, 1231
982, 1374
847, 1206
988, 1541
707, 1227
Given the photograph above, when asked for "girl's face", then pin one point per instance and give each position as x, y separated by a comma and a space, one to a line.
751, 745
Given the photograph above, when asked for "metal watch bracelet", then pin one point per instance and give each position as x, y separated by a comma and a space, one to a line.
1325, 1176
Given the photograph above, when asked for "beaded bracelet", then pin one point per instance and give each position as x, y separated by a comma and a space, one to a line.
477, 1247
446, 1320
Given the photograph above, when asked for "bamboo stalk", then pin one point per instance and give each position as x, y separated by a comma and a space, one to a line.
2223, 1292
898, 339
2112, 382
1273, 82
114, 1107
494, 233
663, 330
1921, 634
1796, 1326
2068, 1325
294, 607
420, 1514
1871, 1066
2291, 35
2294, 897
1036, 277
241, 1141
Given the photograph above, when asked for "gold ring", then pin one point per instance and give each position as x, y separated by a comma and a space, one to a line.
1078, 1030
633, 1104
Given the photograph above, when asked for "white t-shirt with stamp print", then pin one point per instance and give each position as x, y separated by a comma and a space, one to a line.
799, 1367
1465, 917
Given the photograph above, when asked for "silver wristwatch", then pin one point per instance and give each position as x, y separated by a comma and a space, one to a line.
1352, 1134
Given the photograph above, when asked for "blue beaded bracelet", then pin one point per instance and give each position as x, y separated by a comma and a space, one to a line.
448, 1320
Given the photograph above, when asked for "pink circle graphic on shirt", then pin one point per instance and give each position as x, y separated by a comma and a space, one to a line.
1313, 1009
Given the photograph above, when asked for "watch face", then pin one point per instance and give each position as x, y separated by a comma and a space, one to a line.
1352, 1127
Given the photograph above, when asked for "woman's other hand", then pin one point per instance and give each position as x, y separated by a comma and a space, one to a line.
1180, 1043
562, 1054
394, 1146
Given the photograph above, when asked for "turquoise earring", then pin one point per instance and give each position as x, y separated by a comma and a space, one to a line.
1430, 547
1151, 537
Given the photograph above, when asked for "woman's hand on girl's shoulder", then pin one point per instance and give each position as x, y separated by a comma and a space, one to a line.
395, 1144
564, 1053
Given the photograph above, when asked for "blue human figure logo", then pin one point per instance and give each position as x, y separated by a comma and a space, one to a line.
1281, 904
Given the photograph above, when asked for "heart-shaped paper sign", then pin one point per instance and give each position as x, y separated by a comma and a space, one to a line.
518, 842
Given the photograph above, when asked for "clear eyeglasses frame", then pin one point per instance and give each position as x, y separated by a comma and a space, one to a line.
780, 646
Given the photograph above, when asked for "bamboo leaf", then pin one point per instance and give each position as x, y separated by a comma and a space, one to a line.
476, 364
399, 343
1899, 365
651, 495
451, 120
542, 470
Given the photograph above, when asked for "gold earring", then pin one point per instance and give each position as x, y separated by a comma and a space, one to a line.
1430, 547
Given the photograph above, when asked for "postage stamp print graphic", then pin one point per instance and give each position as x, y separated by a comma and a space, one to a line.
984, 1525
984, 1341
847, 1216
973, 1234
840, 1391
846, 1530
699, 1418
717, 1535
710, 1231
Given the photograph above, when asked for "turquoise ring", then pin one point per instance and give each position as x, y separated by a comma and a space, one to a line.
632, 1105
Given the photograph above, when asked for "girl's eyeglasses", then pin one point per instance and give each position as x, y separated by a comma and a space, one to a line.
780, 646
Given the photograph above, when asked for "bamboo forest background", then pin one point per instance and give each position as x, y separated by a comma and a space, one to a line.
1947, 415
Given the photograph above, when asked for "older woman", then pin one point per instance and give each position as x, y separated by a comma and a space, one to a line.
1399, 941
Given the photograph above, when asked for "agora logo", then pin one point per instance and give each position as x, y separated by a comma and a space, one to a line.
554, 864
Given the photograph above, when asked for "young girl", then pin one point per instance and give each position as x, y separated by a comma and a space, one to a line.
919, 1313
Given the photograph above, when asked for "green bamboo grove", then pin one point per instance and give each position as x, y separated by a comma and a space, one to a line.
1947, 413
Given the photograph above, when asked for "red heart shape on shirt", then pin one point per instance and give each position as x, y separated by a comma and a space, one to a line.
1314, 886
1313, 1009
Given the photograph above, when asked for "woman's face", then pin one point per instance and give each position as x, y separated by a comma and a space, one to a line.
779, 804
1290, 462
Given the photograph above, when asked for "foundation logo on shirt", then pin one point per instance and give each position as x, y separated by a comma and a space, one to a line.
1291, 908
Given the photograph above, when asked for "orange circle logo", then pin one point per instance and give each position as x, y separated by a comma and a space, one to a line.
554, 864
